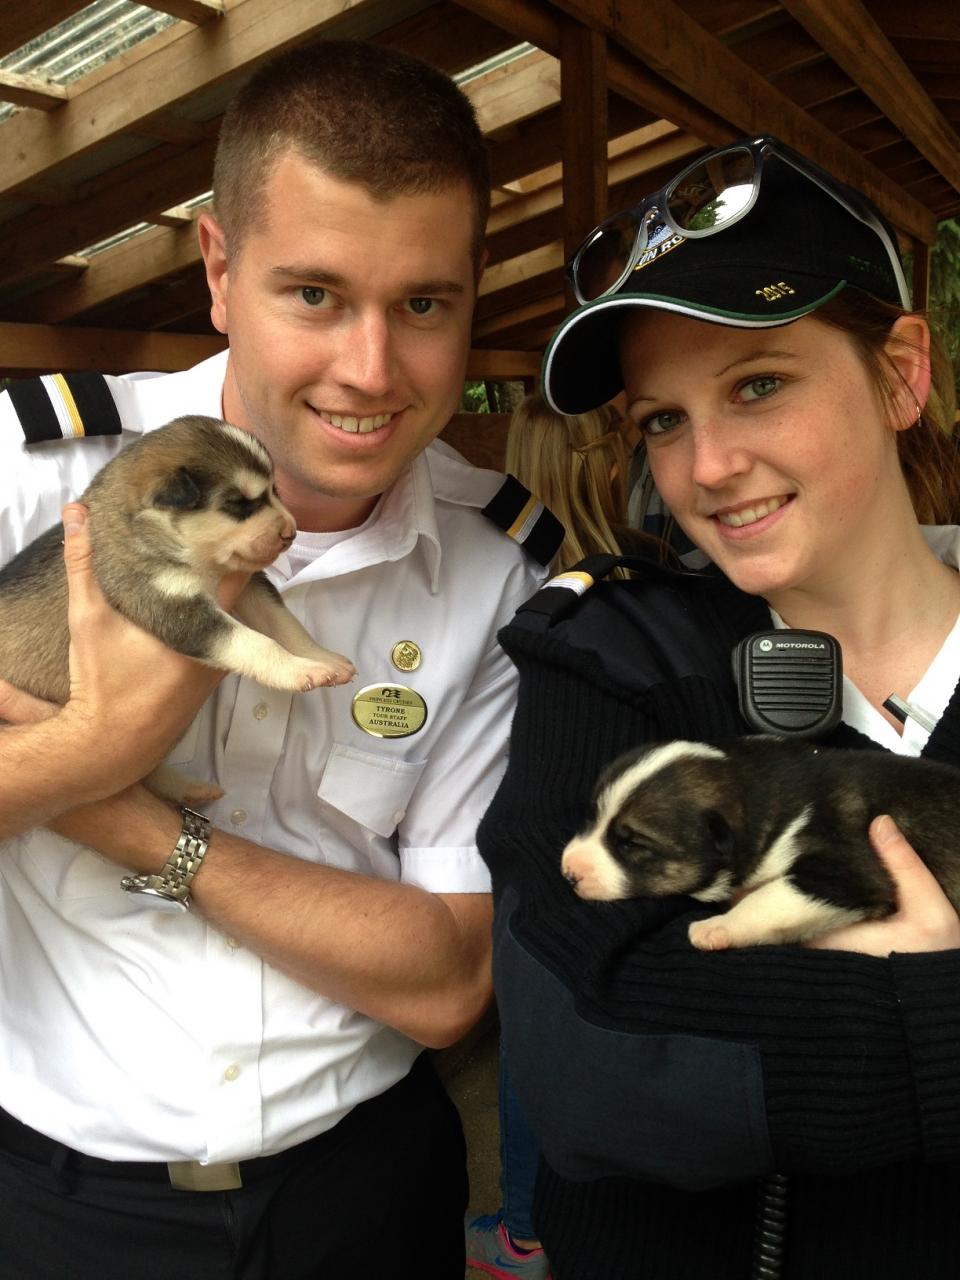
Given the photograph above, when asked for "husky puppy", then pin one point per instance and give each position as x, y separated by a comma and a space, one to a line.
777, 826
170, 516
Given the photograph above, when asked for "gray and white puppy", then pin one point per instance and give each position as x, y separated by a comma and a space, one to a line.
170, 516
777, 826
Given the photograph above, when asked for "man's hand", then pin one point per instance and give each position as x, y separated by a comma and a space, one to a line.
925, 919
119, 672
130, 696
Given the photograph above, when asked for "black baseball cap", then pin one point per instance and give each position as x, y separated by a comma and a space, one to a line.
795, 249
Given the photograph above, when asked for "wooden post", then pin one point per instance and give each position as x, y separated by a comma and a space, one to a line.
583, 104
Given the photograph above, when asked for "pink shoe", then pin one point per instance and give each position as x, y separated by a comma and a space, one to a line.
490, 1249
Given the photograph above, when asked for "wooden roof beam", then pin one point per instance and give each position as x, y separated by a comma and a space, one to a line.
196, 11
193, 60
539, 24
583, 139
506, 97
503, 275
49, 347
502, 365
531, 216
31, 91
682, 52
853, 40
127, 195
137, 262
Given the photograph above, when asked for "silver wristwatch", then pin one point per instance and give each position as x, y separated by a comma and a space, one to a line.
171, 887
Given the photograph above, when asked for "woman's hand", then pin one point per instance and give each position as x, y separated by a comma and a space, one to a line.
925, 919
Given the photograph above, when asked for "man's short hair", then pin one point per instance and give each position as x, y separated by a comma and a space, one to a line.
363, 113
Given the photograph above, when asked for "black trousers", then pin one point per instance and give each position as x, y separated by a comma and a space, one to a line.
382, 1194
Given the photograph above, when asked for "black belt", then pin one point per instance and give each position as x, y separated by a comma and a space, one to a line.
19, 1139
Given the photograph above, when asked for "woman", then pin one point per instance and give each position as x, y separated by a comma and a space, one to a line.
755, 313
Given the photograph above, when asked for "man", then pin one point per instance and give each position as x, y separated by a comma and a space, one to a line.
238, 1089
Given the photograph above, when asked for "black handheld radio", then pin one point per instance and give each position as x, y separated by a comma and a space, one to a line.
789, 682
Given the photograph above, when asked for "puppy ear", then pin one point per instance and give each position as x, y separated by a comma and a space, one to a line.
179, 493
720, 832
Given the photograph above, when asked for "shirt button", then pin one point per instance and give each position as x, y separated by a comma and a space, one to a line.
238, 817
399, 815
232, 943
231, 1072
261, 711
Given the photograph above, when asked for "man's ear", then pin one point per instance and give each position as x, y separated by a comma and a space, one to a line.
214, 250
908, 350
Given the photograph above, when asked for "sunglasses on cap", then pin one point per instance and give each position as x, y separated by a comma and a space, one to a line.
707, 197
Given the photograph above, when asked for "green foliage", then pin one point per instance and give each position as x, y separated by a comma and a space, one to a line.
945, 290
491, 397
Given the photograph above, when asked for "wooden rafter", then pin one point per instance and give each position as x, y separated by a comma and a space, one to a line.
192, 61
132, 141
853, 40
196, 11
584, 135
31, 91
683, 52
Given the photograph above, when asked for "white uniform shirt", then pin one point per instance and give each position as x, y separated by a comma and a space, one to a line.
935, 687
132, 1033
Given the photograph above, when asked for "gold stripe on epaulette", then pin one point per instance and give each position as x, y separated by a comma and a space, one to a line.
69, 404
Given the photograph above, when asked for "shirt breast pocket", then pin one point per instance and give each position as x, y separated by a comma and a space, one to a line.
370, 790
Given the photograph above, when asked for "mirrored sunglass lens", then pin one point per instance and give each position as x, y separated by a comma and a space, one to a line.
714, 192
603, 261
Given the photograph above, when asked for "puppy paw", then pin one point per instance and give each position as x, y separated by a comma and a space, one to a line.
333, 670
200, 793
710, 935
177, 787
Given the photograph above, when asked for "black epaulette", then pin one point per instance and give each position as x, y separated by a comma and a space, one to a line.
64, 406
561, 593
665, 619
516, 511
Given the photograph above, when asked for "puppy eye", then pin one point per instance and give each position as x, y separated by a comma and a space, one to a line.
240, 507
628, 844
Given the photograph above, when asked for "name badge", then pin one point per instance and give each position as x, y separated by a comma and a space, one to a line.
389, 710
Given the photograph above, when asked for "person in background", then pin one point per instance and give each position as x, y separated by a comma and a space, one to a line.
778, 1111
577, 465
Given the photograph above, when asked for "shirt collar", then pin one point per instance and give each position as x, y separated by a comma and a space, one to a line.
405, 518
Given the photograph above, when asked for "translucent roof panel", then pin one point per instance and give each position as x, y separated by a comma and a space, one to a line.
83, 43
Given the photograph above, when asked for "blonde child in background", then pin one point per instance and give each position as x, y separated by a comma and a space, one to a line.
578, 467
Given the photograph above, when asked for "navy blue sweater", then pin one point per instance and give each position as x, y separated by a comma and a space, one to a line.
666, 1084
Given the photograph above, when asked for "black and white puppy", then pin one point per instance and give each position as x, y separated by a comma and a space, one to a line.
777, 826
170, 516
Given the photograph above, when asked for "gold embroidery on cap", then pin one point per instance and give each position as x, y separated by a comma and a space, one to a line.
771, 292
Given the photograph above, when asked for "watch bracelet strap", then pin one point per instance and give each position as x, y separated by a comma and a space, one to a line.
176, 875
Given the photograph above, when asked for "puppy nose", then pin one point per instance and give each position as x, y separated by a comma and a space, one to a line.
571, 877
